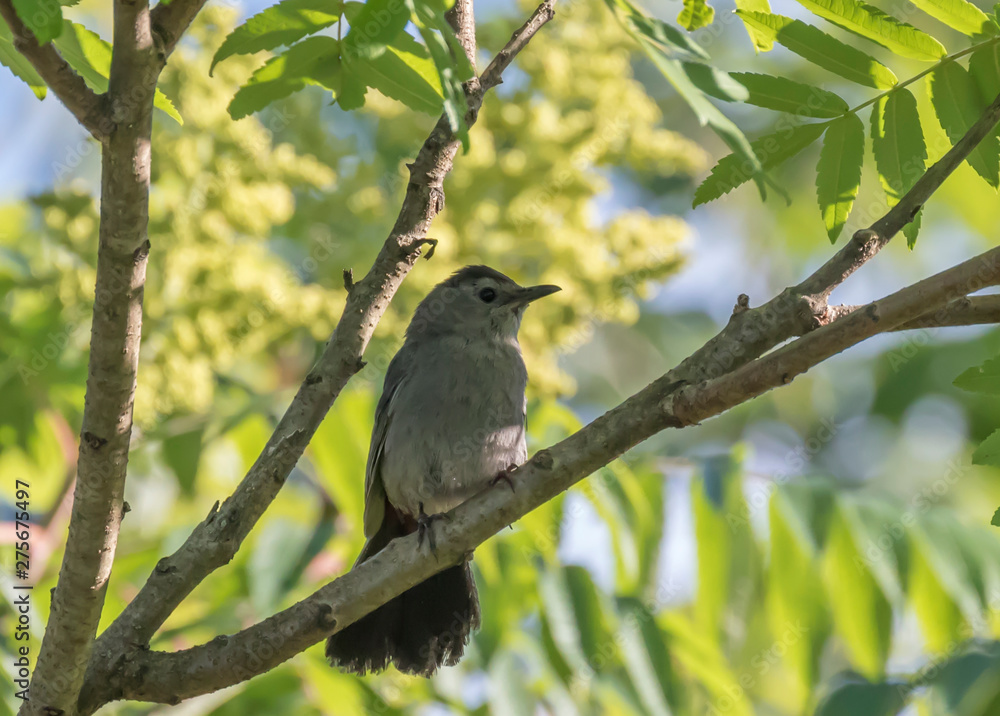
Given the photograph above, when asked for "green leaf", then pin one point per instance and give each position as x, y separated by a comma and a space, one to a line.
960, 15
795, 603
695, 15
575, 616
856, 697
956, 102
762, 41
838, 174
996, 518
406, 74
984, 66
871, 23
706, 112
182, 453
658, 31
17, 64
281, 24
452, 64
772, 149
898, 146
862, 614
983, 378
43, 17
785, 95
821, 49
314, 61
715, 83
90, 56
988, 453
646, 658
374, 27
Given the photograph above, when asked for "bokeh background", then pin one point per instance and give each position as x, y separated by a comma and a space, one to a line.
834, 529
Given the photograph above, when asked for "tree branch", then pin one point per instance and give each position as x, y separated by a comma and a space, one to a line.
98, 502
216, 539
964, 311
166, 677
87, 106
802, 308
170, 21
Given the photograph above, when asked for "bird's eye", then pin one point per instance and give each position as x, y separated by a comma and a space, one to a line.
487, 295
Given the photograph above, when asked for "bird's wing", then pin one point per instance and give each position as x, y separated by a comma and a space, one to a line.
374, 489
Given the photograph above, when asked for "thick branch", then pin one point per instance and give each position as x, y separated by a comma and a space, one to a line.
170, 21
165, 677
68, 86
802, 308
114, 353
964, 311
214, 542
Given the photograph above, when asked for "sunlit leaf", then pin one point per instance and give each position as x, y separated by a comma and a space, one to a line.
762, 41
707, 113
957, 105
784, 95
658, 31
899, 149
862, 615
314, 61
646, 658
838, 174
870, 22
732, 171
796, 608
821, 49
18, 64
695, 15
405, 73
960, 15
281, 24
89, 55
374, 27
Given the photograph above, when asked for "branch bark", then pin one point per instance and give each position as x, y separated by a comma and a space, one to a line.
86, 105
216, 539
803, 308
170, 677
98, 502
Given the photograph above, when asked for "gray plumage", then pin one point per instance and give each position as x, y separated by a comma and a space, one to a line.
450, 420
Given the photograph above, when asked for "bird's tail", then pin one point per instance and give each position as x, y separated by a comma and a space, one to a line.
421, 629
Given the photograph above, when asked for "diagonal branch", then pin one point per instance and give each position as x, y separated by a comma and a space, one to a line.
86, 105
216, 539
404, 563
802, 308
170, 20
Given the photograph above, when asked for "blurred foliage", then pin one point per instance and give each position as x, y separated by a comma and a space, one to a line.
803, 593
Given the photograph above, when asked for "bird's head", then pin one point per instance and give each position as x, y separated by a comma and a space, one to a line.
475, 301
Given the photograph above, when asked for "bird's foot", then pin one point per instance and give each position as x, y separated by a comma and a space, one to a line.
425, 528
504, 476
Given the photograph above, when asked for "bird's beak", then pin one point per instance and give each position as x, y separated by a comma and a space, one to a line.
533, 293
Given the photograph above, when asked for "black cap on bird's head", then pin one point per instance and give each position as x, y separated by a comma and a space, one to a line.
475, 300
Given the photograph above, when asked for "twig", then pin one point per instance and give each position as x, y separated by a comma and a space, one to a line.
170, 20
214, 542
403, 563
87, 106
493, 74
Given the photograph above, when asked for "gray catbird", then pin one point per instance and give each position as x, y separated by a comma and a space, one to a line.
450, 421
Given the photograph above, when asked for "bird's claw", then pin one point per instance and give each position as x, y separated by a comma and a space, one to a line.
504, 476
425, 527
